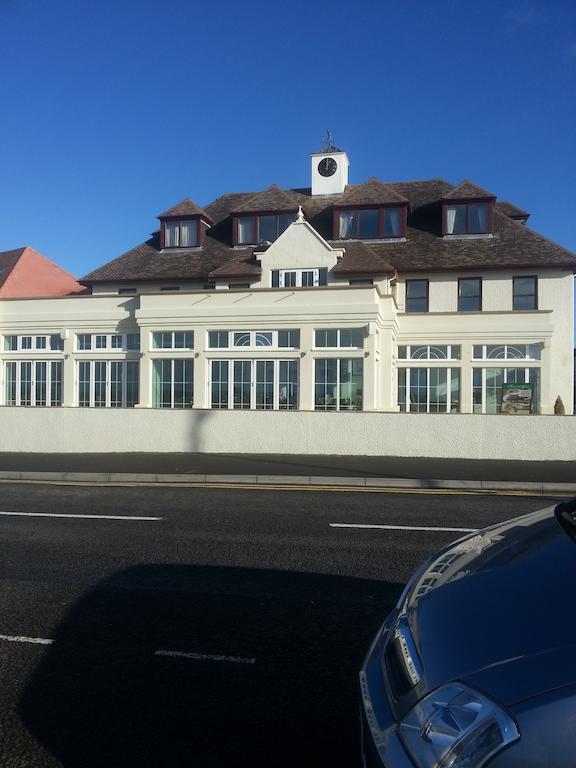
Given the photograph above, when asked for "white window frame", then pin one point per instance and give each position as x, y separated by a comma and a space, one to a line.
33, 363
449, 352
504, 367
507, 359
172, 361
339, 345
171, 348
253, 367
339, 361
108, 343
46, 350
298, 272
252, 346
108, 382
428, 368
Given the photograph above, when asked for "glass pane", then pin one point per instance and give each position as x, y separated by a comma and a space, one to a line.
56, 383
289, 339
220, 384
402, 388
189, 234
246, 232
25, 383
524, 286
133, 342
308, 278
350, 385
454, 390
264, 384
352, 337
263, 338
455, 351
289, 279
419, 353
101, 342
288, 385
478, 217
534, 378
10, 343
325, 385
456, 223
242, 383
116, 370
242, 339
100, 384
438, 378
267, 228
26, 342
183, 380
469, 304
10, 384
162, 383
416, 295
392, 222
469, 287
347, 224
84, 384
418, 390
477, 389
40, 342
327, 338
56, 343
132, 383
40, 388
84, 341
218, 339
402, 352
534, 351
496, 351
516, 353
156, 340
369, 222
171, 235
477, 353
494, 381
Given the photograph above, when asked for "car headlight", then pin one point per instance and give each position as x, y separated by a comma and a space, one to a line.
456, 726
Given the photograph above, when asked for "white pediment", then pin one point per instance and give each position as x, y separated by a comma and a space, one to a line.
300, 247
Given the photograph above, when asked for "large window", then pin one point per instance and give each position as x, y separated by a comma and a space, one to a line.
429, 352
429, 390
108, 383
172, 340
467, 219
172, 383
33, 383
487, 386
470, 294
333, 338
416, 295
32, 343
525, 292
259, 229
371, 223
284, 339
181, 234
299, 278
338, 384
254, 384
506, 352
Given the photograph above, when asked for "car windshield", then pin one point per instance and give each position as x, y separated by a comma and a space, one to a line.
566, 516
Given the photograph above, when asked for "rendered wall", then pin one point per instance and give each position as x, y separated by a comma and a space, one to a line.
72, 430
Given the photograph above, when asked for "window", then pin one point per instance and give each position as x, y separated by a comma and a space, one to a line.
338, 384
170, 288
133, 342
105, 342
263, 228
429, 390
467, 218
172, 340
172, 383
506, 352
288, 339
254, 384
525, 292
53, 343
487, 386
470, 294
361, 281
350, 338
416, 295
126, 291
108, 383
299, 278
181, 234
84, 341
429, 352
33, 383
372, 223
239, 286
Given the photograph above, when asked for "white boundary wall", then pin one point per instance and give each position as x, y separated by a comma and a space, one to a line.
75, 430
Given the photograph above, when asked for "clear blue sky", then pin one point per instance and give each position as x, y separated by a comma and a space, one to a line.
113, 110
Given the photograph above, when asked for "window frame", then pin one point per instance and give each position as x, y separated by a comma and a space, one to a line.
255, 217
450, 369
338, 405
172, 347
469, 231
107, 382
450, 349
403, 209
508, 364
319, 277
17, 381
338, 331
409, 282
535, 294
252, 346
253, 381
172, 360
47, 349
180, 221
479, 297
108, 348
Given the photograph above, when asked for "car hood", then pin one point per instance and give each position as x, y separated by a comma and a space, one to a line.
496, 610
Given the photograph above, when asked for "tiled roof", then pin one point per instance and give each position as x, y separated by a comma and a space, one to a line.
467, 190
271, 199
508, 209
8, 260
186, 208
513, 244
373, 192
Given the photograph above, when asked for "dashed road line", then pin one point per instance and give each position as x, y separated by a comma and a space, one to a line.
404, 527
23, 639
132, 518
205, 657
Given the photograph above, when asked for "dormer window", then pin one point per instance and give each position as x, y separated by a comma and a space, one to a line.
180, 233
467, 218
371, 223
260, 228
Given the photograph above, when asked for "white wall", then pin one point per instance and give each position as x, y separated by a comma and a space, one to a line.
71, 430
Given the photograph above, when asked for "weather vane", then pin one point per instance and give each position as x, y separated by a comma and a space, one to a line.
328, 138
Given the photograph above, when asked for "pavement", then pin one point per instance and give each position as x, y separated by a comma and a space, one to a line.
145, 626
369, 471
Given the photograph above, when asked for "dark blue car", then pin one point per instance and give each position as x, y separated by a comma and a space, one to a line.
476, 665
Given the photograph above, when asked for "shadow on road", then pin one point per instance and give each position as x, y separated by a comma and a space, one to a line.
100, 696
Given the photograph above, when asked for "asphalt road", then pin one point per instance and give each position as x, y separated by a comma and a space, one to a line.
228, 631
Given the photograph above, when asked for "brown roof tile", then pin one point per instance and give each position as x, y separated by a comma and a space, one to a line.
186, 208
271, 199
508, 209
373, 192
467, 190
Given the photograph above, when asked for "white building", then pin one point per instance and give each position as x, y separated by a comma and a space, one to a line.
416, 296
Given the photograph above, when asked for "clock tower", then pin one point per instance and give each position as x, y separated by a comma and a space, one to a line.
329, 170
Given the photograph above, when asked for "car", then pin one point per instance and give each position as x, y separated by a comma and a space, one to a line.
476, 665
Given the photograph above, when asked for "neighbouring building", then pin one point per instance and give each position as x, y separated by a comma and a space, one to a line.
412, 296
26, 272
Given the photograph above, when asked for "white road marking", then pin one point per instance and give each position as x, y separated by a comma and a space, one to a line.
80, 517
22, 639
404, 527
205, 657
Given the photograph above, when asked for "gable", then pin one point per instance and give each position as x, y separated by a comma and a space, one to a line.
300, 247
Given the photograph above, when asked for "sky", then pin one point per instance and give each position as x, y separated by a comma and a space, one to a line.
112, 111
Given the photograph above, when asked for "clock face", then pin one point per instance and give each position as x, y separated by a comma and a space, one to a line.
327, 166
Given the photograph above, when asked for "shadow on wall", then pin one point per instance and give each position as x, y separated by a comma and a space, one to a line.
197, 438
101, 696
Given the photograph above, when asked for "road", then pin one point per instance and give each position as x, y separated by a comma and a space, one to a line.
199, 626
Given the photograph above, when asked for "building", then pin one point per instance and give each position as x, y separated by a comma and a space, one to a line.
25, 272
413, 296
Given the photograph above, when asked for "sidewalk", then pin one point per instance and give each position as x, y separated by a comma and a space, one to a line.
540, 477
